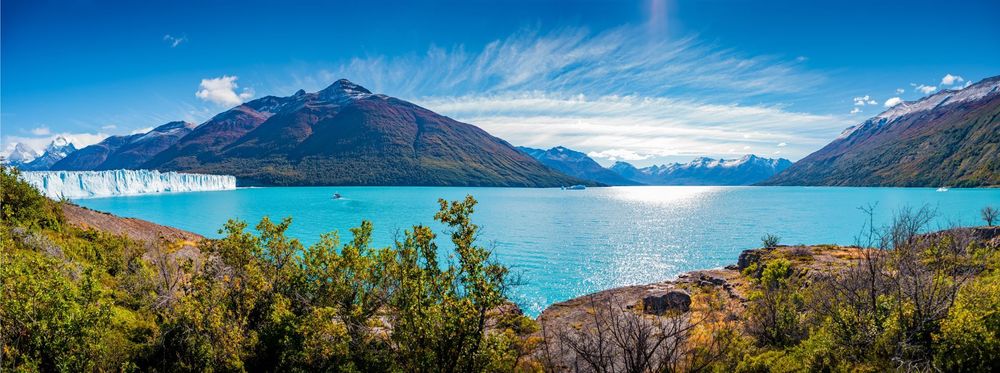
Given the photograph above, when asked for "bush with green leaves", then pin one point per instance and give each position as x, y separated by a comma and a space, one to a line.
82, 300
774, 312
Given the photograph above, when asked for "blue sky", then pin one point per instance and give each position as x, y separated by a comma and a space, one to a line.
644, 81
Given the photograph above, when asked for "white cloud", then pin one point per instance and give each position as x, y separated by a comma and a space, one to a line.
619, 154
746, 147
40, 131
893, 102
855, 111
926, 89
900, 91
783, 144
864, 100
141, 130
174, 41
109, 127
222, 91
660, 127
949, 79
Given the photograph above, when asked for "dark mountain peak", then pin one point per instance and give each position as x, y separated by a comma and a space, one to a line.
173, 126
344, 88
346, 135
700, 161
576, 164
300, 92
564, 152
59, 144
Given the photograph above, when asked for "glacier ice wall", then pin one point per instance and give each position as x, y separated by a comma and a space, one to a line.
86, 184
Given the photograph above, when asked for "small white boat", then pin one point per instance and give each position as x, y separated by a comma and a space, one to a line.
942, 189
575, 187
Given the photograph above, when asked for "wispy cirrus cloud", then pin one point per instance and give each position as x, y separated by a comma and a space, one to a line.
623, 60
174, 41
639, 128
621, 93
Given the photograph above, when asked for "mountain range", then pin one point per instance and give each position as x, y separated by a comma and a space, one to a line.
747, 170
28, 159
950, 138
346, 135
576, 164
125, 152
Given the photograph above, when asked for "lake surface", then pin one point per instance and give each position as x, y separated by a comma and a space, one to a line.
569, 243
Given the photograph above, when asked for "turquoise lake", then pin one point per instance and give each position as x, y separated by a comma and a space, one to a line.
569, 243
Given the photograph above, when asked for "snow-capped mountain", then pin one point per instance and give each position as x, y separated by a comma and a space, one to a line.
706, 171
125, 152
20, 155
576, 164
58, 149
950, 138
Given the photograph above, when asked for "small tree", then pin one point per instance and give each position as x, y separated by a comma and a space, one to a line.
770, 240
989, 214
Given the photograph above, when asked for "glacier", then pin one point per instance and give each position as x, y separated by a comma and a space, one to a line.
89, 184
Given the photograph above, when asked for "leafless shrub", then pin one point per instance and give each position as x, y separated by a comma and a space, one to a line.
800, 251
989, 214
621, 339
169, 270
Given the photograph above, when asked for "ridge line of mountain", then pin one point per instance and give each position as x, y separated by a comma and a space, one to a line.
950, 138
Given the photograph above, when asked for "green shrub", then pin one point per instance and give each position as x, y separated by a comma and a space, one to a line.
969, 339
22, 205
774, 312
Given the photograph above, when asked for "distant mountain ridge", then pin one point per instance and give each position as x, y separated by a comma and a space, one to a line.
25, 158
950, 138
347, 135
21, 155
747, 170
576, 164
125, 152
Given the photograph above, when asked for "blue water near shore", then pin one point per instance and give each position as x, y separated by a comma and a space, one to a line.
569, 243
